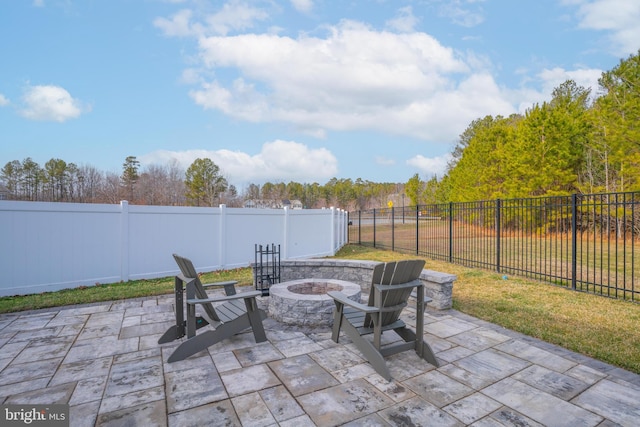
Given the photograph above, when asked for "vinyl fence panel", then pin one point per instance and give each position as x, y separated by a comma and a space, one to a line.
53, 246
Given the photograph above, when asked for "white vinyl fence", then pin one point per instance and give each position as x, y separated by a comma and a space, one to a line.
53, 246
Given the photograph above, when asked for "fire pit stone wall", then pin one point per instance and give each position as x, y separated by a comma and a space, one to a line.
438, 286
305, 302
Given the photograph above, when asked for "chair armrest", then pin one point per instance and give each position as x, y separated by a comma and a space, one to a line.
229, 286
206, 285
227, 283
412, 284
242, 295
426, 300
343, 299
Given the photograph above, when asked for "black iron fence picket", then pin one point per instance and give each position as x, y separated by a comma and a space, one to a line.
585, 242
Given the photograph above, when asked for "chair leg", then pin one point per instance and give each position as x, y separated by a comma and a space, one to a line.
256, 316
208, 338
178, 329
372, 354
337, 321
422, 347
428, 354
173, 333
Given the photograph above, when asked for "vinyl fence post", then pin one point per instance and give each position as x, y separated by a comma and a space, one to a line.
285, 231
344, 227
348, 237
222, 233
124, 240
333, 232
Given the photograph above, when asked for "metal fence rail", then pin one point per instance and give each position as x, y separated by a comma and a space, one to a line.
586, 242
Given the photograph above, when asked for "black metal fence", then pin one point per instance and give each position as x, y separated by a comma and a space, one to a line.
586, 242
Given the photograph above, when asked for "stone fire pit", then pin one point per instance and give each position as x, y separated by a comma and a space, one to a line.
305, 302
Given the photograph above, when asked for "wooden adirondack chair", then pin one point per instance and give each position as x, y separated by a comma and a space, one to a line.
236, 313
391, 287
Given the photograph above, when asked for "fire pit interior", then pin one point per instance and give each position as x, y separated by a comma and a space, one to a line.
314, 288
305, 302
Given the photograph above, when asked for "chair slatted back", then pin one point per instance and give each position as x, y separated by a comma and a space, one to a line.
376, 278
190, 274
394, 273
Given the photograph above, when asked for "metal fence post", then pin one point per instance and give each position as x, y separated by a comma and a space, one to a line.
374, 228
574, 239
450, 231
417, 229
599, 252
498, 221
393, 228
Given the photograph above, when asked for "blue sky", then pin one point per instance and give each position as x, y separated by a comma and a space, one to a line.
281, 90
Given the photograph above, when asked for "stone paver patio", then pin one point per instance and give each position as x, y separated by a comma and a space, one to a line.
104, 361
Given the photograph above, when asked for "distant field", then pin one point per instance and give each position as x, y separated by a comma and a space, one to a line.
604, 264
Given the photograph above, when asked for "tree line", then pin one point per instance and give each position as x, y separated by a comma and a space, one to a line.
201, 184
575, 143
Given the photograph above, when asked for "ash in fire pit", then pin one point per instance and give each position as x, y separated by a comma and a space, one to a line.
305, 302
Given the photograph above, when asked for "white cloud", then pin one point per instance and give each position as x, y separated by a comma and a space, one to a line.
304, 6
384, 161
430, 166
277, 161
3, 100
50, 103
38, 3
462, 12
354, 78
233, 16
179, 25
619, 17
550, 79
588, 78
191, 76
404, 22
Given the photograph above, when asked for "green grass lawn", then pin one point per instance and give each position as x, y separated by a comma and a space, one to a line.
603, 328
114, 291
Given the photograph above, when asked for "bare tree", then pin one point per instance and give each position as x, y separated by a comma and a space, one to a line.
152, 184
252, 192
175, 187
90, 182
110, 191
